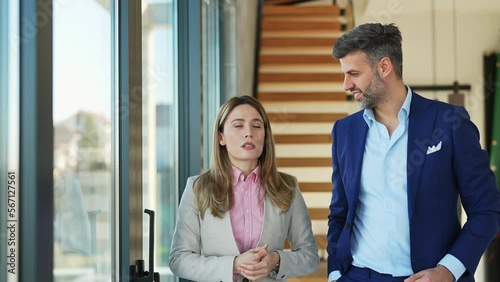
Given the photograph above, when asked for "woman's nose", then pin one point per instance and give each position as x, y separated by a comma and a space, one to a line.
248, 132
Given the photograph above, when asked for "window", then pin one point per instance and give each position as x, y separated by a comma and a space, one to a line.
159, 127
84, 197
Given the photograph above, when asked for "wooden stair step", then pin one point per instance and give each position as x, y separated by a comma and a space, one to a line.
302, 87
283, 77
300, 96
297, 41
279, 24
306, 18
302, 139
303, 162
300, 33
273, 10
321, 242
295, 59
280, 2
315, 187
300, 68
292, 50
306, 117
318, 213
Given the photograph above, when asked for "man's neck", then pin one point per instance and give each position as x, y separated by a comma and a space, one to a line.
387, 112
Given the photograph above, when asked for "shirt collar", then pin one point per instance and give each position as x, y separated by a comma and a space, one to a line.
239, 176
404, 112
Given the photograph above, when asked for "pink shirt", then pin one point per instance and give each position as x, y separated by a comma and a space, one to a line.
247, 213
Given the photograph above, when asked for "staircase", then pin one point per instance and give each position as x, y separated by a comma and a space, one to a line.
300, 85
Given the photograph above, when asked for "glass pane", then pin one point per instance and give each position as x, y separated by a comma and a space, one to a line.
159, 129
83, 161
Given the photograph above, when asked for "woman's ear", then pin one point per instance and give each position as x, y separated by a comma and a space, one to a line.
221, 140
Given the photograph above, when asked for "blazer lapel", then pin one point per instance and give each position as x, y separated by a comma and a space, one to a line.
219, 228
420, 128
270, 215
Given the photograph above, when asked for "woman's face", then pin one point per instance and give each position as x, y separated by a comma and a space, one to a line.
243, 135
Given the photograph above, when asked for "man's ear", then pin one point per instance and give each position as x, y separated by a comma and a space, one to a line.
385, 67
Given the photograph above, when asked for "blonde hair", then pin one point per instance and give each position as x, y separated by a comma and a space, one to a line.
214, 188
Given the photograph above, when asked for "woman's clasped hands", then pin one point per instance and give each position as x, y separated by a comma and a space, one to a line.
256, 264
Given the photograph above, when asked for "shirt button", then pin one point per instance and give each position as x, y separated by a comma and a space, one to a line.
247, 211
389, 206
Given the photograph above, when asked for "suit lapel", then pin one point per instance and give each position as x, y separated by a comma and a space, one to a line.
355, 132
421, 124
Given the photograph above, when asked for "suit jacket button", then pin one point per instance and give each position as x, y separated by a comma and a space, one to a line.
346, 226
347, 259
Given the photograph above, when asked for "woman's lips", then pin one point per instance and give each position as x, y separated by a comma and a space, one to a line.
248, 145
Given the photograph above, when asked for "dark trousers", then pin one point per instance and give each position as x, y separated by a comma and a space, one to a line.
356, 274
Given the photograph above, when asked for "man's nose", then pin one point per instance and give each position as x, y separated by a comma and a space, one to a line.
348, 84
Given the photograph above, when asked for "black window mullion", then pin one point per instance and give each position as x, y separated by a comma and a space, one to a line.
36, 187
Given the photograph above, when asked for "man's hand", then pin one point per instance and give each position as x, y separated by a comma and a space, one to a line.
436, 274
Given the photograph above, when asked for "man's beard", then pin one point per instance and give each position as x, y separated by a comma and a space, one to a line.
374, 93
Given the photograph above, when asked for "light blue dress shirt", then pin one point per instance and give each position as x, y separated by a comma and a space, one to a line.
381, 231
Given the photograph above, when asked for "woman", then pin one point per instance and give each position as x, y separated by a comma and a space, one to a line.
234, 218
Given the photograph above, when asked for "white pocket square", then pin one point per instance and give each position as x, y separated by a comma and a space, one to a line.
435, 148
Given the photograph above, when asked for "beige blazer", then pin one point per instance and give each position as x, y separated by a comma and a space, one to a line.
204, 250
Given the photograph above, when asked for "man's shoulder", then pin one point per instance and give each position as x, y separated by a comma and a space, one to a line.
423, 104
417, 98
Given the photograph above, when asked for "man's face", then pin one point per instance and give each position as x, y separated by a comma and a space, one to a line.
363, 80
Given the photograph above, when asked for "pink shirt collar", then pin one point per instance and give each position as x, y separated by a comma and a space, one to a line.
238, 175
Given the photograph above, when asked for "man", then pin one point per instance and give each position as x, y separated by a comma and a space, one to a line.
399, 167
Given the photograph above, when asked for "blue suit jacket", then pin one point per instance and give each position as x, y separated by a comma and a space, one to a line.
435, 181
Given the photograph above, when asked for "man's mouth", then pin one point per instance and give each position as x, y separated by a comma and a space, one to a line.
357, 95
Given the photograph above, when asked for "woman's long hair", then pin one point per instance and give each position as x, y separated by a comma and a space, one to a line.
214, 188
